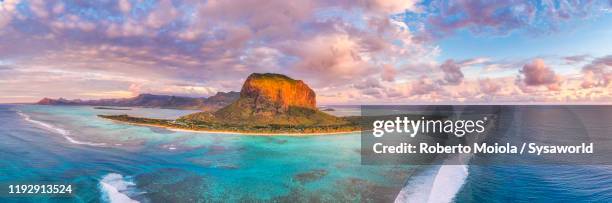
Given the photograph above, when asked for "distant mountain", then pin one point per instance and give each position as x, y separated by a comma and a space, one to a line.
212, 103
268, 103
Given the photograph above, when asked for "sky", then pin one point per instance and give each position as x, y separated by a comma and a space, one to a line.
348, 51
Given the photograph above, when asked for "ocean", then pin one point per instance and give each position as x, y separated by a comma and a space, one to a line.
114, 162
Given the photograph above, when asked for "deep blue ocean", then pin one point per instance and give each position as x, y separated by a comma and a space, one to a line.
113, 162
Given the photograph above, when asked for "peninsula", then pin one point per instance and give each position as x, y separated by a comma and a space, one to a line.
268, 104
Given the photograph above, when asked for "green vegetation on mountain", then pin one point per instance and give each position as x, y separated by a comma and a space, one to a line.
268, 103
211, 103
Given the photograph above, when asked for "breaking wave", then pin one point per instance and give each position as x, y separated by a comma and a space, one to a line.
116, 188
435, 184
65, 133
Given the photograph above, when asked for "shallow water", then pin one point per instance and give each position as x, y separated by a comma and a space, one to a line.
114, 161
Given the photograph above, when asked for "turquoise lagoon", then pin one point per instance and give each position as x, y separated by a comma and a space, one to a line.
109, 161
115, 162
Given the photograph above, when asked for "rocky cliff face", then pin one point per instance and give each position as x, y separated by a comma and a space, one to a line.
277, 92
271, 99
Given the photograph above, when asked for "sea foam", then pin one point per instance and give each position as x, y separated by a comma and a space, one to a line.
65, 133
115, 188
435, 184
438, 183
418, 187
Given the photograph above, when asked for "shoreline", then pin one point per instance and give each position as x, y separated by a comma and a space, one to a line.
233, 133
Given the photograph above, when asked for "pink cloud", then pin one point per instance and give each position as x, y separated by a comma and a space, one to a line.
387, 6
503, 17
481, 16
125, 6
7, 11
164, 13
39, 8
423, 85
489, 86
598, 73
452, 72
349, 50
537, 73
576, 58
388, 73
332, 58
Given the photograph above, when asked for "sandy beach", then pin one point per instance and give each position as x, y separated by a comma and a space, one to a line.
235, 133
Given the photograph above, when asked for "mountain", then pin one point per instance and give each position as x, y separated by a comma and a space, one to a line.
268, 103
271, 99
278, 90
221, 99
212, 103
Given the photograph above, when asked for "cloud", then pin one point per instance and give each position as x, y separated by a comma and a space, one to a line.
502, 17
576, 58
452, 72
387, 6
125, 6
489, 86
72, 22
388, 73
7, 11
163, 14
475, 61
108, 94
339, 56
39, 8
372, 92
158, 16
598, 73
537, 73
349, 51
368, 84
200, 42
424, 85
167, 88
452, 69
589, 79
58, 8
